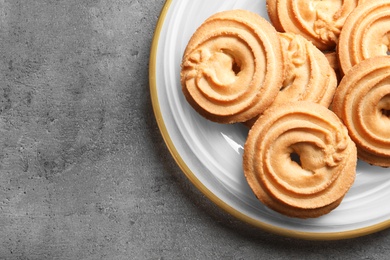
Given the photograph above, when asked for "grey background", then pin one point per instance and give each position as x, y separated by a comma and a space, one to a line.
84, 172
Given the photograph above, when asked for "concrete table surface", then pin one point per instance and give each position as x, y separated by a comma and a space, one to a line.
84, 171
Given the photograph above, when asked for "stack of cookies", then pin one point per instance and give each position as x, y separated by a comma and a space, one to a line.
313, 86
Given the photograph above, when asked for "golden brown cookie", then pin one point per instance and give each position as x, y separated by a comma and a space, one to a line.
318, 21
308, 74
365, 34
231, 66
299, 160
362, 101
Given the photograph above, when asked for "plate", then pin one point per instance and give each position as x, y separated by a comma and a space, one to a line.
210, 154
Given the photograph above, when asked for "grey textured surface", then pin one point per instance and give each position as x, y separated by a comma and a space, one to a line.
84, 172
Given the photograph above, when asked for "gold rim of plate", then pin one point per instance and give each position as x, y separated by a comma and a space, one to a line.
201, 187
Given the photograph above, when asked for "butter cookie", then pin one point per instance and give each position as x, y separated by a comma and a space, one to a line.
230, 70
318, 21
365, 34
299, 160
362, 101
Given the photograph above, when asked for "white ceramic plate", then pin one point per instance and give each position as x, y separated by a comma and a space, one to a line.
210, 154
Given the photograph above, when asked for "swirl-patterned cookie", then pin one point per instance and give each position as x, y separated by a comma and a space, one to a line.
308, 75
318, 21
362, 101
366, 33
231, 66
299, 160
